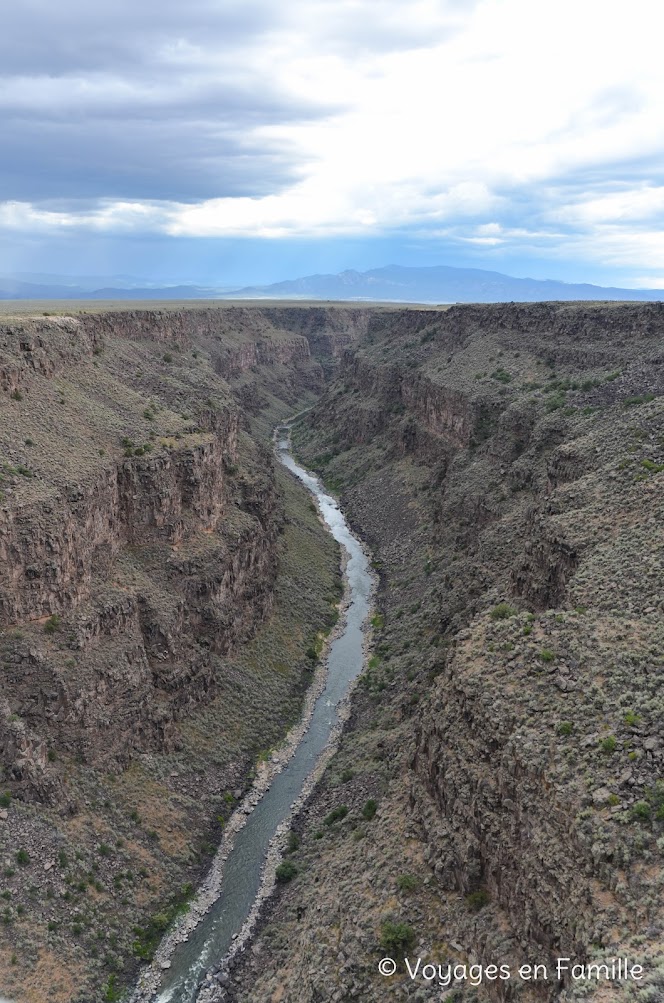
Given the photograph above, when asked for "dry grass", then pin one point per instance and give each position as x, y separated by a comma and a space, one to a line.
50, 978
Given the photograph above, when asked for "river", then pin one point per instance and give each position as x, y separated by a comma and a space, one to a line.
213, 938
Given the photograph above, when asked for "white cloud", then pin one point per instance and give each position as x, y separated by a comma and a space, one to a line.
630, 205
116, 216
647, 282
440, 114
319, 205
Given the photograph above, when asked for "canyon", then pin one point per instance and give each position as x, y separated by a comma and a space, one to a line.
498, 793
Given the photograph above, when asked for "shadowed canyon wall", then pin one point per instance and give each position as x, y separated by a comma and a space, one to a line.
504, 464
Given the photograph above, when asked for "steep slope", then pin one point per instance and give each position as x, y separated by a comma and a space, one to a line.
159, 589
503, 770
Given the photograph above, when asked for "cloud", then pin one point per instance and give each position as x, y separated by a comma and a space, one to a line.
143, 100
496, 123
164, 100
628, 204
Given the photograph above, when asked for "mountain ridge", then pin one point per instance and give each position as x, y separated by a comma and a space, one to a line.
442, 283
390, 283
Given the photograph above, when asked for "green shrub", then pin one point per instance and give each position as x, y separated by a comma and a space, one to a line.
655, 797
5, 799
336, 815
641, 811
396, 939
565, 728
608, 745
407, 882
112, 992
52, 624
148, 937
286, 871
477, 900
503, 611
293, 842
23, 858
370, 809
555, 402
641, 399
631, 718
546, 655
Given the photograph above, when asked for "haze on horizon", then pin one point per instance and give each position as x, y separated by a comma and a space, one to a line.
245, 142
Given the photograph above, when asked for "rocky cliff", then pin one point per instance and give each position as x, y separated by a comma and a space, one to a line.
504, 464
142, 537
139, 522
498, 796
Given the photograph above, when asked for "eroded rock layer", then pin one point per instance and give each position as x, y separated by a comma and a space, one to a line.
503, 775
151, 652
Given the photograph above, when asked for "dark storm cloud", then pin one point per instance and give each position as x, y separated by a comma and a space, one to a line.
42, 37
140, 101
156, 99
177, 160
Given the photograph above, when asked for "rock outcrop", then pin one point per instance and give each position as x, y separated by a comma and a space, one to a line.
139, 523
504, 464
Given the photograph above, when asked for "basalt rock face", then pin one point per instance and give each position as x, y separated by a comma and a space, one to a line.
328, 331
139, 521
51, 548
504, 464
133, 647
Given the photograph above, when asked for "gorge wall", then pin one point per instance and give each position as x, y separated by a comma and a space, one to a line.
139, 517
144, 537
504, 464
501, 776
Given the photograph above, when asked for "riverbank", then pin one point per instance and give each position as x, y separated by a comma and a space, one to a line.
358, 586
509, 728
213, 991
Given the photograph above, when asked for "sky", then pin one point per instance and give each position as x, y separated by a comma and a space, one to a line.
232, 142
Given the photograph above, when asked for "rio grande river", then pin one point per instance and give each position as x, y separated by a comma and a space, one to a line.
211, 940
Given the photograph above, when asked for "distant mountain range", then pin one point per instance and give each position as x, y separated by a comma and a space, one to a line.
54, 287
394, 283
439, 284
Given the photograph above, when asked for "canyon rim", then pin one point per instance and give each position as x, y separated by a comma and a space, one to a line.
166, 589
